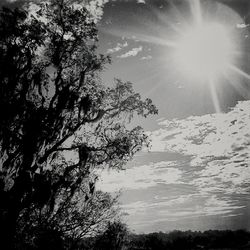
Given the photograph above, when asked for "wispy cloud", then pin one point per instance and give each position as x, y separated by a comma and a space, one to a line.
118, 47
132, 52
149, 57
141, 177
179, 208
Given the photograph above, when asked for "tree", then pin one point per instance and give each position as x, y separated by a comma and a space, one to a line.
114, 237
69, 224
59, 122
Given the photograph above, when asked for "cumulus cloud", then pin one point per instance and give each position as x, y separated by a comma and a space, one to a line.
133, 52
209, 175
219, 145
117, 48
141, 177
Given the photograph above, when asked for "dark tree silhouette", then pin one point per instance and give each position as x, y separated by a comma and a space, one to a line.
58, 121
178, 240
72, 222
115, 237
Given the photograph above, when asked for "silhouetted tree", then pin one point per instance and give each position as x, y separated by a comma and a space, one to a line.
73, 221
176, 240
153, 241
115, 237
58, 121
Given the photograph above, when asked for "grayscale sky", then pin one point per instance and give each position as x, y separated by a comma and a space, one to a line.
191, 57
196, 175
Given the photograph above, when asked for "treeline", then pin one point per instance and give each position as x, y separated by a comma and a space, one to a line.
175, 240
189, 240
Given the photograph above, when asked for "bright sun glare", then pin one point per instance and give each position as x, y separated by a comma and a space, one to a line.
207, 49
204, 45
204, 51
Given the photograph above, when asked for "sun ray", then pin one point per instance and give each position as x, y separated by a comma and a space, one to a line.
214, 95
177, 12
166, 21
241, 90
156, 40
239, 71
154, 74
141, 37
196, 11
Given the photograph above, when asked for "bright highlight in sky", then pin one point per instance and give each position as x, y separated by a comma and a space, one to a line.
204, 51
208, 47
205, 43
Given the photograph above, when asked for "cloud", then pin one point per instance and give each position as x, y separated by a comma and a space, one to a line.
146, 57
209, 176
219, 145
141, 1
141, 177
242, 25
160, 204
117, 48
179, 208
132, 52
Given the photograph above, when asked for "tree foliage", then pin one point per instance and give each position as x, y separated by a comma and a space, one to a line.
59, 122
115, 237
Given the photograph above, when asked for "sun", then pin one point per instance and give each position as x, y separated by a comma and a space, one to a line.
204, 51
203, 47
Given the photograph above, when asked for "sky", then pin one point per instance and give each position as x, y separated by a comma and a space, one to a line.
196, 175
191, 57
